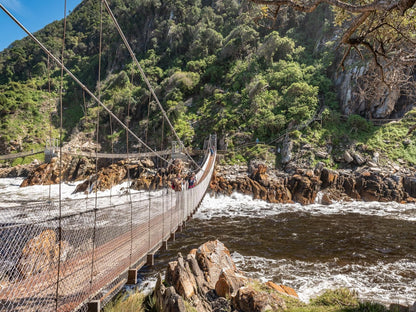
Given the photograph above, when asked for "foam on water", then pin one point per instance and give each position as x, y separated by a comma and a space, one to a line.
381, 282
13, 197
245, 206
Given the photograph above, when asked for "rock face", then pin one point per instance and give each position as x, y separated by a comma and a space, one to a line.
208, 280
387, 101
368, 184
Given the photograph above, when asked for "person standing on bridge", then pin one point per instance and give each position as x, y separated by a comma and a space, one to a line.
192, 181
177, 183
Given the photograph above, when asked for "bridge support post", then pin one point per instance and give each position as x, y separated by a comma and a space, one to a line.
180, 228
164, 245
172, 237
150, 260
94, 306
132, 277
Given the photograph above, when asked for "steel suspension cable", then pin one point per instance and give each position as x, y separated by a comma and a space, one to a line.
79, 82
128, 172
96, 156
126, 43
60, 162
50, 118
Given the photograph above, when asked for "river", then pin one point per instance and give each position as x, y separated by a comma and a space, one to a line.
368, 247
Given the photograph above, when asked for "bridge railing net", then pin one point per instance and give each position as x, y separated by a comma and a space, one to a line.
53, 263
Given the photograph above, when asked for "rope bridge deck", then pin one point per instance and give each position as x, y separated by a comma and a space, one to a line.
96, 245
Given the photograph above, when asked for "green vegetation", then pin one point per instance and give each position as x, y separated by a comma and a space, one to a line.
214, 69
338, 300
127, 302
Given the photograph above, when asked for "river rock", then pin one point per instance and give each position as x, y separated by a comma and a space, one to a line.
248, 299
41, 252
365, 183
286, 290
208, 281
167, 299
228, 283
328, 177
303, 188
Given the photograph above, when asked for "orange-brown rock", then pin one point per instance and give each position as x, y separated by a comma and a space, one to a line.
229, 282
209, 281
248, 299
286, 290
40, 253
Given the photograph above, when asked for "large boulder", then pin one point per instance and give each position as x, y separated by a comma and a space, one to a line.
249, 299
208, 281
42, 252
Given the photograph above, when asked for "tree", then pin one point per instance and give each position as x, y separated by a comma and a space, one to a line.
384, 29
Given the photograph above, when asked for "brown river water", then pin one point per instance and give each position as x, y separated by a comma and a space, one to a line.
368, 247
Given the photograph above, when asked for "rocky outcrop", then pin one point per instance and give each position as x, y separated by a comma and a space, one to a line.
18, 171
69, 168
367, 184
208, 280
363, 92
105, 175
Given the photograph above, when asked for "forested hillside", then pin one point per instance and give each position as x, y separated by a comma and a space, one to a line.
215, 68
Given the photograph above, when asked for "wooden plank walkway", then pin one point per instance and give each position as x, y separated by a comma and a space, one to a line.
140, 228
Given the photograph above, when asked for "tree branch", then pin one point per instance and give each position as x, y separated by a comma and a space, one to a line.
312, 5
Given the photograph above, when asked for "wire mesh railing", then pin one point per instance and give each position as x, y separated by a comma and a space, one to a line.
47, 268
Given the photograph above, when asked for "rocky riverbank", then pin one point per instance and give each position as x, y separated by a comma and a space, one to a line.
207, 280
303, 186
324, 185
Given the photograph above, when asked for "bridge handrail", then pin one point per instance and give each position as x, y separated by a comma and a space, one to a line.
22, 154
51, 268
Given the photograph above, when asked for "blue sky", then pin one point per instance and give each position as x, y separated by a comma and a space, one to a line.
33, 14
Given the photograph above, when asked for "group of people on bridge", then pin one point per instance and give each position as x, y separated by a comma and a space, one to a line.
179, 183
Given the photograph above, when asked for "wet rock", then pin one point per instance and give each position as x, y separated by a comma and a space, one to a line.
213, 257
208, 281
303, 189
203, 277
328, 177
361, 184
180, 277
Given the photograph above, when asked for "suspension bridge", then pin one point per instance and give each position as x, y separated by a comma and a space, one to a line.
75, 254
